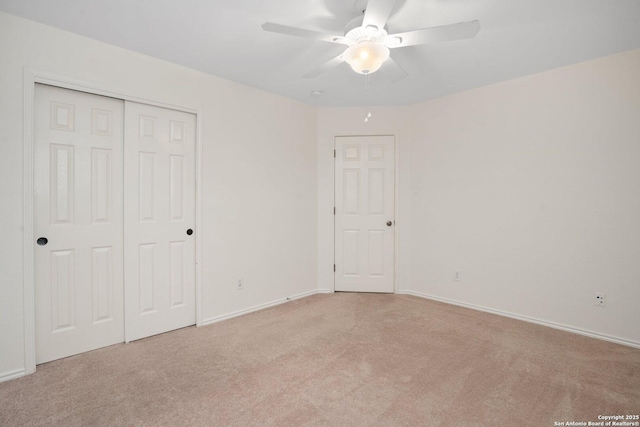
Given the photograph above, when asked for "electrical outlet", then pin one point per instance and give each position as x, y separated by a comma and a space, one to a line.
600, 300
457, 276
240, 284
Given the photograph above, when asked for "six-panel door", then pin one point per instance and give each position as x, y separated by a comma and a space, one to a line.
78, 222
159, 208
364, 217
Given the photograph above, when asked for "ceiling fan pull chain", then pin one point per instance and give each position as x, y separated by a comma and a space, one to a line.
367, 90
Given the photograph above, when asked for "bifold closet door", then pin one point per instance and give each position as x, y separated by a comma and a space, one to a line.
159, 207
78, 220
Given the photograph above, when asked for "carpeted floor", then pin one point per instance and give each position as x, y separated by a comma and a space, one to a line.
337, 360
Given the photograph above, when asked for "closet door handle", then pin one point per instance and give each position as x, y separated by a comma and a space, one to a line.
42, 241
189, 232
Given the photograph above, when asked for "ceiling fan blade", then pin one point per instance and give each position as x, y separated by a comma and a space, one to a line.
377, 13
308, 34
324, 67
443, 33
393, 70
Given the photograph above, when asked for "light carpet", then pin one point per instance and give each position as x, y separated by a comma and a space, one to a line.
337, 360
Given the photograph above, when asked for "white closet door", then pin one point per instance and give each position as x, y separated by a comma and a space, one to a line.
159, 208
78, 220
364, 225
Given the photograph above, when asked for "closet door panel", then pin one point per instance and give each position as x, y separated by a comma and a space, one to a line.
159, 220
78, 221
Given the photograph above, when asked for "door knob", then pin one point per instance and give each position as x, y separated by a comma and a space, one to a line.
42, 241
389, 223
189, 232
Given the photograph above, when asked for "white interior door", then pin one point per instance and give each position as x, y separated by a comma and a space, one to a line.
78, 220
159, 208
364, 223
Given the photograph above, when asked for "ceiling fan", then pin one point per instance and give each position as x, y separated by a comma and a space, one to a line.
369, 42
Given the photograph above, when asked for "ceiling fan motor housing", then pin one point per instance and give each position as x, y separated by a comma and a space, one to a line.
357, 32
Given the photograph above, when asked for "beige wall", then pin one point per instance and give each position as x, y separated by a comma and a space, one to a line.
531, 189
259, 172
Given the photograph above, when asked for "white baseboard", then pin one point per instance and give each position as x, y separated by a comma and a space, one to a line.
324, 291
11, 375
216, 319
546, 323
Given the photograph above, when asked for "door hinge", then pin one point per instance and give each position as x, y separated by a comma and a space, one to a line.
334, 210
334, 268
334, 154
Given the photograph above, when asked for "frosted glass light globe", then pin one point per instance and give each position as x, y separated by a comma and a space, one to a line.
366, 57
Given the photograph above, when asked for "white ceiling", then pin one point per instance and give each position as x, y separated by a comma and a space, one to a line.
225, 38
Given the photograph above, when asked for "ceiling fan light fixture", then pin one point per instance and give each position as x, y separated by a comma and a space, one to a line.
366, 57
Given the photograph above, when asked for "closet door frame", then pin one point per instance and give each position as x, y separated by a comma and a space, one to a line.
31, 77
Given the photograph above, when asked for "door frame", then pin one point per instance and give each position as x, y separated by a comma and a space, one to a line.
396, 146
31, 77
